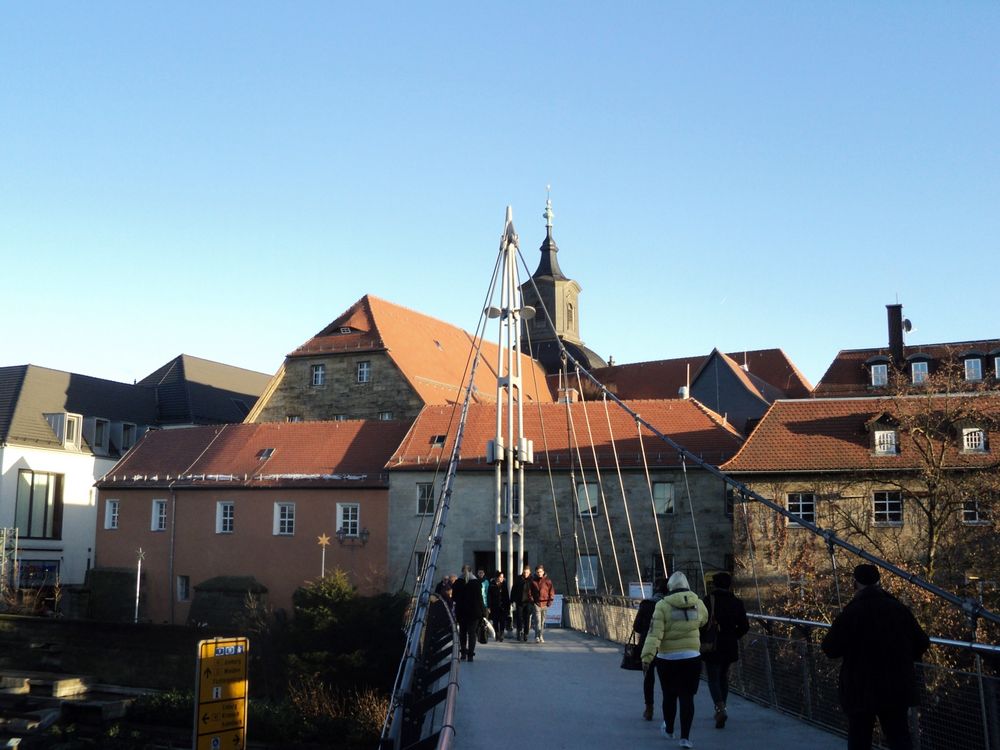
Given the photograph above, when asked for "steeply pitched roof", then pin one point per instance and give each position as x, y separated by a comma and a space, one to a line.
687, 422
28, 392
350, 453
811, 435
664, 378
432, 355
190, 390
847, 375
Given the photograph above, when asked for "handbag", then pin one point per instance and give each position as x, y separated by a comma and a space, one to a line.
481, 632
632, 656
710, 633
490, 630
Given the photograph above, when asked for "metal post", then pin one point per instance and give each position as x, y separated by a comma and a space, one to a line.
138, 580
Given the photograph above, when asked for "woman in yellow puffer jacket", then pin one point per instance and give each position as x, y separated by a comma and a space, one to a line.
674, 644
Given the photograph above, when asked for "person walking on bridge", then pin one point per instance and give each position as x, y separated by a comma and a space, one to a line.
542, 595
674, 644
879, 640
731, 619
469, 610
640, 626
498, 603
520, 596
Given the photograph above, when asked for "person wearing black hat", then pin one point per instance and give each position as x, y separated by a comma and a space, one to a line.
878, 639
731, 618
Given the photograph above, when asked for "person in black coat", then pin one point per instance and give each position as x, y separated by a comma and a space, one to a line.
640, 626
469, 610
498, 603
879, 640
731, 617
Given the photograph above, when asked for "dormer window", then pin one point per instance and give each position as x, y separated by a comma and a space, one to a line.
265, 453
973, 369
101, 433
918, 371
345, 329
437, 440
71, 435
973, 440
886, 443
880, 375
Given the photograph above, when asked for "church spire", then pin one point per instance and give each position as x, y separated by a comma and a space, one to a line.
548, 265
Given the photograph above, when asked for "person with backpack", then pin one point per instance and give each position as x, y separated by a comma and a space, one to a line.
641, 627
727, 617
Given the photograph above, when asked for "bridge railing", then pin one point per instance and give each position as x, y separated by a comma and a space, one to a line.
782, 667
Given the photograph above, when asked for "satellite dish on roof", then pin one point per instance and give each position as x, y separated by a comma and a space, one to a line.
907, 325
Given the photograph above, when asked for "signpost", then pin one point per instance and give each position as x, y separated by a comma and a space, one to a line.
220, 719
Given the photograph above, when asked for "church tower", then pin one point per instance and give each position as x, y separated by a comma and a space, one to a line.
559, 295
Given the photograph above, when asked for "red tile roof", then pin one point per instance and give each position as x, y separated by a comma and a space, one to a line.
331, 453
687, 422
432, 355
830, 435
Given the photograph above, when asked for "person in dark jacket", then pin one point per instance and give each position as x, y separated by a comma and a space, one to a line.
731, 617
498, 603
469, 610
520, 597
879, 640
640, 626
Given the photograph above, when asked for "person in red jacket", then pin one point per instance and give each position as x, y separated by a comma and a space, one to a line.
542, 594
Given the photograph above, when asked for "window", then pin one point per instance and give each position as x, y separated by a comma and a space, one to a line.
349, 518
128, 436
974, 513
888, 508
318, 375
225, 517
880, 375
886, 443
425, 498
802, 504
918, 372
384, 416
996, 367
364, 371
974, 439
339, 417
284, 519
293, 418
345, 330
38, 511
505, 501
183, 588
569, 315
438, 440
586, 572
587, 498
663, 497
72, 429
158, 522
111, 514
265, 453
973, 369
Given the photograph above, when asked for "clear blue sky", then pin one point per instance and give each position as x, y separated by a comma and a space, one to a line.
223, 179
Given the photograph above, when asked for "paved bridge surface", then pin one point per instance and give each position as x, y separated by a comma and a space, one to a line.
570, 692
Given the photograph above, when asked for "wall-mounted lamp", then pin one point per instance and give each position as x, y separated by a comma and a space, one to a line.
343, 537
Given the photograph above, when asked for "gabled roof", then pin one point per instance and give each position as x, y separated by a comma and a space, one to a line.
29, 392
834, 435
432, 355
190, 390
664, 378
753, 384
685, 421
847, 375
347, 453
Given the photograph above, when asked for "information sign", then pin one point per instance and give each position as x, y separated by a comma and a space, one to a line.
221, 694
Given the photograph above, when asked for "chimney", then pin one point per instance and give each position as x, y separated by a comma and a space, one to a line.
895, 313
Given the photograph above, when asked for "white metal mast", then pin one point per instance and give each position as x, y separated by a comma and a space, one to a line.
509, 450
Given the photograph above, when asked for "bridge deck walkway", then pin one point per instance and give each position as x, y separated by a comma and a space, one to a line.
570, 692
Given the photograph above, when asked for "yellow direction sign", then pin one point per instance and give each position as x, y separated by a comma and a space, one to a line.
221, 690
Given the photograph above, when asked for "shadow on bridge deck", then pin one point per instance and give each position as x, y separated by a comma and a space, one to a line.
569, 692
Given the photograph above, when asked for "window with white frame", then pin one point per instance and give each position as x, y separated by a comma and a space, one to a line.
663, 497
802, 504
38, 506
887, 508
158, 522
293, 418
918, 372
880, 375
225, 517
425, 498
71, 432
588, 498
886, 442
111, 509
284, 519
973, 439
385, 416
996, 367
364, 371
339, 417
318, 375
974, 513
973, 368
349, 518
505, 500
183, 588
586, 572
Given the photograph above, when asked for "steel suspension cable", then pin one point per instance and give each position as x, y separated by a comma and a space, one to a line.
575, 443
621, 485
652, 500
694, 523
